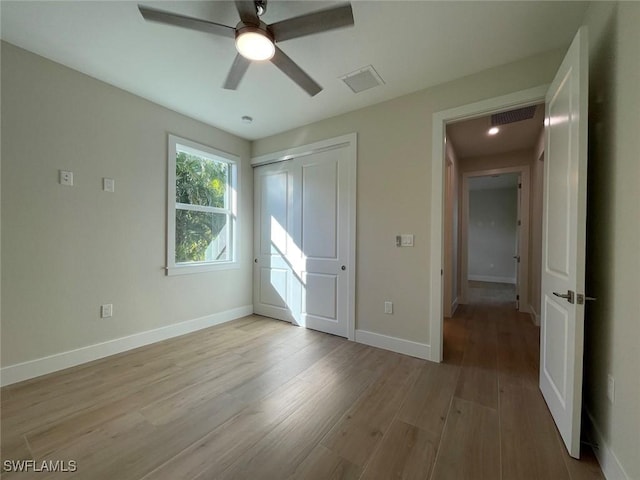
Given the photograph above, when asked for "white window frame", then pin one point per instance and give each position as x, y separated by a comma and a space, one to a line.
176, 144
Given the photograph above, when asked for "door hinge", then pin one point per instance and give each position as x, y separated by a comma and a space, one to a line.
519, 185
517, 297
519, 223
441, 272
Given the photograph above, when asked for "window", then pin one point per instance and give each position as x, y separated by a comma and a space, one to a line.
201, 208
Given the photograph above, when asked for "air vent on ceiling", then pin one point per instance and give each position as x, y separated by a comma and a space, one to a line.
362, 79
512, 116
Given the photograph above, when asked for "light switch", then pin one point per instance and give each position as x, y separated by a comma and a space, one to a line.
108, 184
406, 240
388, 307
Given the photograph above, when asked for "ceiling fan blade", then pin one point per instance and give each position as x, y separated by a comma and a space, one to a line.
238, 69
311, 23
169, 18
247, 11
295, 73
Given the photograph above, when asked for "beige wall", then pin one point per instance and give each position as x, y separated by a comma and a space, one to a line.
612, 323
66, 250
394, 149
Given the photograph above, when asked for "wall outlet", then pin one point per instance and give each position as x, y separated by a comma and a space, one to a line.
388, 307
611, 388
106, 310
65, 177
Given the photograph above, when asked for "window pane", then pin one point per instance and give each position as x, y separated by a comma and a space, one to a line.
201, 181
201, 237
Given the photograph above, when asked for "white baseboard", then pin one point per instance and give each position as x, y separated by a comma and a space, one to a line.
492, 279
398, 345
609, 463
454, 306
59, 361
535, 317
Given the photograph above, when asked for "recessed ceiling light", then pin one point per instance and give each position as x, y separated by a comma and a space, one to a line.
493, 130
247, 119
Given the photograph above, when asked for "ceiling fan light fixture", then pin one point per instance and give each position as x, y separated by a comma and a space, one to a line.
254, 44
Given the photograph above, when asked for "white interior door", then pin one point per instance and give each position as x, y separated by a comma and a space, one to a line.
323, 204
274, 282
304, 227
563, 255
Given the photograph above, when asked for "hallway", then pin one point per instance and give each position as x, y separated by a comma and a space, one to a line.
498, 418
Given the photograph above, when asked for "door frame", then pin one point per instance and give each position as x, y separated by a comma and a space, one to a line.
531, 96
523, 232
350, 142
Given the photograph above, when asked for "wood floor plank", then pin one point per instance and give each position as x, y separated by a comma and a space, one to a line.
470, 446
517, 362
427, 403
214, 453
183, 402
279, 453
407, 452
287, 368
358, 433
323, 464
13, 449
528, 437
478, 379
457, 334
587, 468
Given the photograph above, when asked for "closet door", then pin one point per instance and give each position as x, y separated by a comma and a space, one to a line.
303, 270
320, 195
275, 293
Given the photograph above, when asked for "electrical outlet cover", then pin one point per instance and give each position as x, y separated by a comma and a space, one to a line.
65, 178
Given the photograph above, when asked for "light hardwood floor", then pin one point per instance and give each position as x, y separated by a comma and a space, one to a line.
259, 399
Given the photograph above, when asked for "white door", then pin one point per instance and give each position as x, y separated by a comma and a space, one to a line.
563, 256
303, 234
323, 202
274, 279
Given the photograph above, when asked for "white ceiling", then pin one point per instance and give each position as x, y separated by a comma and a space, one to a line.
469, 138
412, 45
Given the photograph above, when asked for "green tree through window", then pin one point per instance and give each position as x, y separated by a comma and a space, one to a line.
201, 182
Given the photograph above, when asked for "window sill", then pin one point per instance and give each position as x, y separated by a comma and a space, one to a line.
201, 268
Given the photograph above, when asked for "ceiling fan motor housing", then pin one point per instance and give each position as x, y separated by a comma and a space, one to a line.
260, 29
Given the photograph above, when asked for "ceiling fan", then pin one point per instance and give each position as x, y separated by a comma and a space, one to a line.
255, 40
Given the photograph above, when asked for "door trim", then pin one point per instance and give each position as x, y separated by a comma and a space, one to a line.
350, 142
522, 98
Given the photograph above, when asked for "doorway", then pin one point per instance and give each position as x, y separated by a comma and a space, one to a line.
492, 237
488, 163
530, 97
564, 232
494, 231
